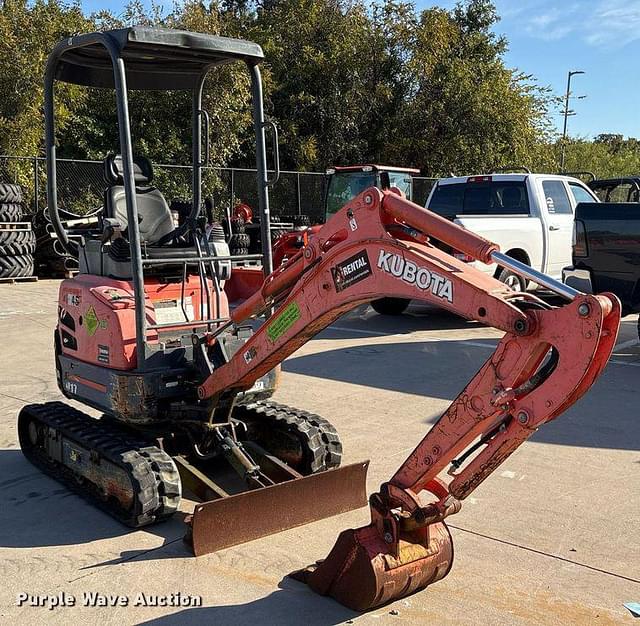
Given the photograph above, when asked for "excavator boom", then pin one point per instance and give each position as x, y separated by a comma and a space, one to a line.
547, 359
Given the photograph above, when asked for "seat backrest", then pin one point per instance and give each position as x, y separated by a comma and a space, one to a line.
154, 217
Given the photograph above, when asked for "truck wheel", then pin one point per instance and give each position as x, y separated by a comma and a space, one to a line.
513, 280
16, 266
238, 240
390, 306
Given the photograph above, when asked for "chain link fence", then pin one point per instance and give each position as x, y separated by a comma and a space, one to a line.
81, 186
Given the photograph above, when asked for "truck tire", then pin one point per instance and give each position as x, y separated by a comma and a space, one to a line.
10, 193
297, 220
390, 306
276, 233
237, 226
239, 241
512, 280
17, 242
16, 266
10, 211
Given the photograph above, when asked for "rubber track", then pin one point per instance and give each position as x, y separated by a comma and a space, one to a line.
323, 449
153, 475
17, 242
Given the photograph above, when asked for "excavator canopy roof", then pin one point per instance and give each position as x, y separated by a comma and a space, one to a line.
154, 58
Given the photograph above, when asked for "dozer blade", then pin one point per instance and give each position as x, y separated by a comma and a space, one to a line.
362, 572
253, 514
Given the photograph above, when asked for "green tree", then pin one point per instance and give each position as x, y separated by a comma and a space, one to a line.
346, 80
331, 89
607, 156
28, 31
467, 112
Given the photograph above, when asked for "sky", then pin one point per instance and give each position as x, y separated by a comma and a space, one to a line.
547, 38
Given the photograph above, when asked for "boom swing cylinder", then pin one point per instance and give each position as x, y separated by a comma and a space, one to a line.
546, 360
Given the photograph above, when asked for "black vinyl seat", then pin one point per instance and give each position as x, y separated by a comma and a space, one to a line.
154, 217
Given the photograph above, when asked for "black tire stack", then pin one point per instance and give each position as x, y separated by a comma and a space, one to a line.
17, 240
238, 239
298, 221
278, 228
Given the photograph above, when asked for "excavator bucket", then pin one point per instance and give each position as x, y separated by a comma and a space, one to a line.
250, 515
362, 571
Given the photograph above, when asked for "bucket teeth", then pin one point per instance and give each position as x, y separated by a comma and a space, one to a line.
362, 573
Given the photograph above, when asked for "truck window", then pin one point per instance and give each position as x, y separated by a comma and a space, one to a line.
485, 198
580, 194
621, 193
402, 181
556, 196
602, 193
345, 186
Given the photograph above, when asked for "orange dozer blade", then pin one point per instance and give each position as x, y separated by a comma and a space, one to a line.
362, 572
250, 515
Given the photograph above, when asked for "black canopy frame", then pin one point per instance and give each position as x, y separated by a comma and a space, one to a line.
154, 59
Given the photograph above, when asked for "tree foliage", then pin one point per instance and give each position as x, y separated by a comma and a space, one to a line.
607, 156
345, 80
28, 31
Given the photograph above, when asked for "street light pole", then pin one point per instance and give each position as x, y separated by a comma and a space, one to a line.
566, 115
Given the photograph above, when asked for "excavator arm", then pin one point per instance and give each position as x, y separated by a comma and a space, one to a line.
546, 360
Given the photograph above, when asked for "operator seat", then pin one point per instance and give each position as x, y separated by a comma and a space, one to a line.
154, 217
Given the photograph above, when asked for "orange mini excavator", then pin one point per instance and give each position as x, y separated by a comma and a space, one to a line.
145, 337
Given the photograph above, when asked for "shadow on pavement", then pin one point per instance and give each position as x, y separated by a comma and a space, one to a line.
364, 320
605, 418
292, 604
38, 511
437, 369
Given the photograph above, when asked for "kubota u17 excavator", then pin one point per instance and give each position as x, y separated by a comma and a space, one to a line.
183, 384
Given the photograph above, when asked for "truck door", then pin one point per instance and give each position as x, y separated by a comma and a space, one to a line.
559, 224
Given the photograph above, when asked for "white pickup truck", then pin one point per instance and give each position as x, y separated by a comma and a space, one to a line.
530, 216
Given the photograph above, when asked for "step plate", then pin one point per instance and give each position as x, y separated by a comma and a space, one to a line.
250, 515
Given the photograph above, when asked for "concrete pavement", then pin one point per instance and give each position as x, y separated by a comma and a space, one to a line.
551, 538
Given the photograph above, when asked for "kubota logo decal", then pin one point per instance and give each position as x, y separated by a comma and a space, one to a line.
410, 273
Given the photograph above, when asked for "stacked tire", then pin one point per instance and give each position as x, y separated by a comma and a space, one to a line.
278, 228
17, 240
238, 238
298, 221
